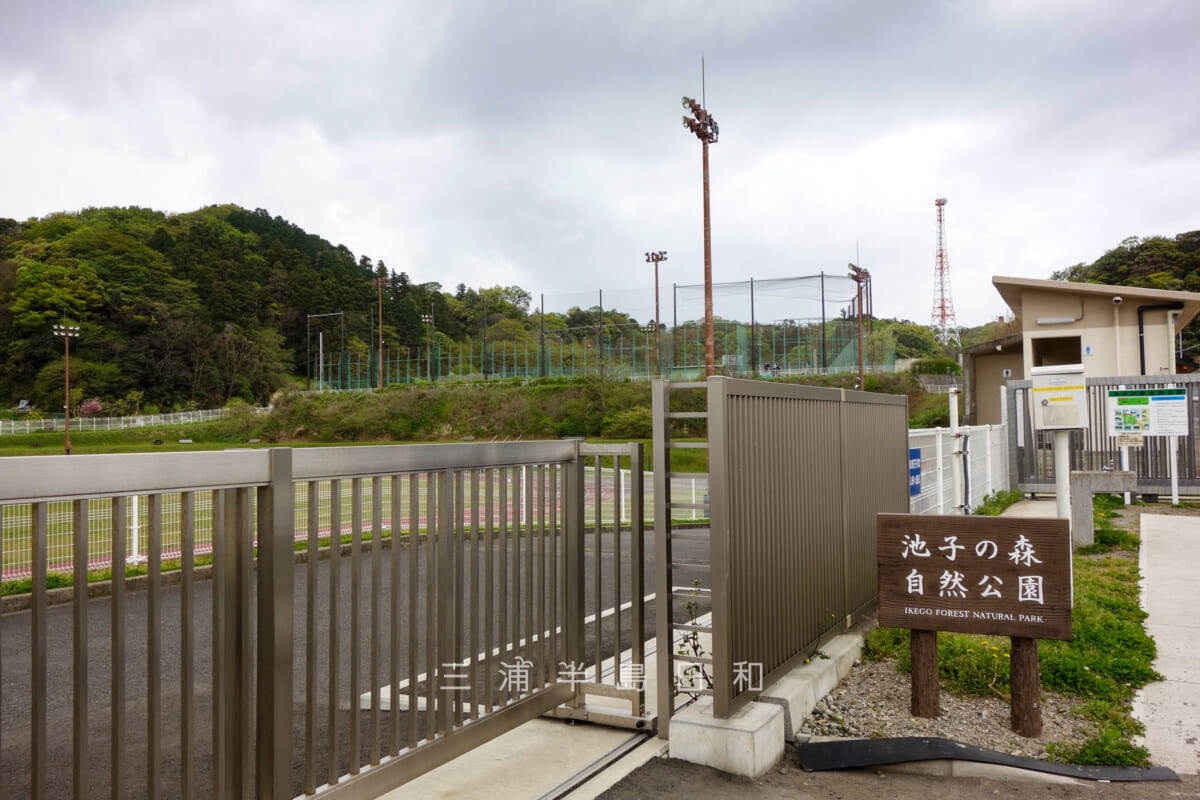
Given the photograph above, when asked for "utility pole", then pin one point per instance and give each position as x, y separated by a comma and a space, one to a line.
860, 276
483, 354
379, 284
67, 332
654, 257
428, 320
706, 130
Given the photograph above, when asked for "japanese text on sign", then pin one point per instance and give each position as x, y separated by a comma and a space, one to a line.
975, 575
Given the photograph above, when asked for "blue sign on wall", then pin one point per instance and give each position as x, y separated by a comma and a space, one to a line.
914, 471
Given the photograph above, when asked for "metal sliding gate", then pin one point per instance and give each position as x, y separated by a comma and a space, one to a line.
441, 598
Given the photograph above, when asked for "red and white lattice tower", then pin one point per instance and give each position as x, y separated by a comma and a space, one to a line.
943, 306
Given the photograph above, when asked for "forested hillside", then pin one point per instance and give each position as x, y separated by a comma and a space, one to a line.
198, 308
1154, 262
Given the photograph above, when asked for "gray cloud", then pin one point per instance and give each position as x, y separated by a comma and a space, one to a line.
540, 144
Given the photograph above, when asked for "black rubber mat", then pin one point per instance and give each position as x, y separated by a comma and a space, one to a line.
852, 753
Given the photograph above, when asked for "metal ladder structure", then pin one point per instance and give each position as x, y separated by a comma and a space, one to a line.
666, 628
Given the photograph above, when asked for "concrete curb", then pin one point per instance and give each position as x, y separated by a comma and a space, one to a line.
752, 741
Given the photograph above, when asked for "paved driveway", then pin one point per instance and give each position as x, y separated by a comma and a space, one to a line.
15, 674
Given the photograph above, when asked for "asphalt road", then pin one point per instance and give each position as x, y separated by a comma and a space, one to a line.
664, 778
15, 669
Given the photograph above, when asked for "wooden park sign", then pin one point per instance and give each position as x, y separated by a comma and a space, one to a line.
995, 576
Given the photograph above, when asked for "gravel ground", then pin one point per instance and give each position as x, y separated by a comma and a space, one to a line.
873, 701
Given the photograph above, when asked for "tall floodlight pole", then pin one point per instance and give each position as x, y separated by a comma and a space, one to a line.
428, 320
860, 276
654, 257
379, 284
706, 129
67, 332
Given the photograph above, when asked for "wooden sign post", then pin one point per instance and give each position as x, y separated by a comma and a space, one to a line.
984, 575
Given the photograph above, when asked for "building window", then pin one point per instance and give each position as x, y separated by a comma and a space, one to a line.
1056, 350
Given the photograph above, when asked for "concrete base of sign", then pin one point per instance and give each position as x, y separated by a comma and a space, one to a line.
1084, 484
749, 743
799, 691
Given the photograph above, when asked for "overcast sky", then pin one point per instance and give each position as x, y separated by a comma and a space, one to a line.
540, 143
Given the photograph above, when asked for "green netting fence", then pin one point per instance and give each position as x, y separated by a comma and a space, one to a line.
787, 347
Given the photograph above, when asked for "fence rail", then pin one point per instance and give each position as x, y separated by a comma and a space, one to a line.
983, 472
58, 423
613, 498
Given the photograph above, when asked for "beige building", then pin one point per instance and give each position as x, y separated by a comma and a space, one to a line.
1111, 330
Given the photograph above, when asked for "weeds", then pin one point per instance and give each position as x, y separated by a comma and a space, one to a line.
693, 674
994, 504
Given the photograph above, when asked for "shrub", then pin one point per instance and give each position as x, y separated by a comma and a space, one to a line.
938, 417
632, 423
937, 366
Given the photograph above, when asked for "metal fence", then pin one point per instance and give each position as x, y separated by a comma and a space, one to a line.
58, 422
797, 475
1031, 453
983, 471
461, 621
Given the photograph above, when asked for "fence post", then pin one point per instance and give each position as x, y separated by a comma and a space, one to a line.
637, 576
957, 454
720, 547
941, 505
276, 524
227, 735
661, 455
574, 566
988, 451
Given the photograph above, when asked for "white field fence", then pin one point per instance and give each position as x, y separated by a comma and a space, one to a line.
984, 470
85, 424
17, 519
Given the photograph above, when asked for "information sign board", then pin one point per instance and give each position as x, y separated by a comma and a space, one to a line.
988, 575
1150, 412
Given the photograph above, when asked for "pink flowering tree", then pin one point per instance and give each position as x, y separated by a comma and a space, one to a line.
89, 408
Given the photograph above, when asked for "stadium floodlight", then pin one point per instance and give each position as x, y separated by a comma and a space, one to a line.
67, 332
428, 320
654, 257
705, 129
